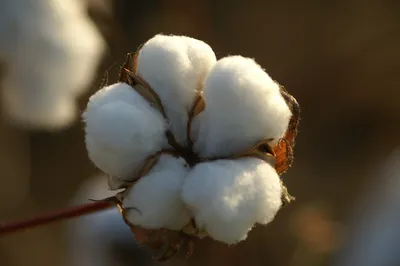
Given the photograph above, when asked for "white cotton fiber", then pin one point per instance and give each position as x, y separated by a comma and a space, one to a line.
122, 130
50, 50
36, 107
228, 197
155, 199
175, 67
243, 106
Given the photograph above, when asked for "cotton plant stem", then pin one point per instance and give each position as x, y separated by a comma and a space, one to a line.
55, 216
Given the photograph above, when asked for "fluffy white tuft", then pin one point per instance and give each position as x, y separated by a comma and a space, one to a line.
122, 130
37, 107
175, 67
50, 51
243, 106
228, 197
155, 198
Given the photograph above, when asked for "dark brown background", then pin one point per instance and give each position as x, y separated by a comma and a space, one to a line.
340, 59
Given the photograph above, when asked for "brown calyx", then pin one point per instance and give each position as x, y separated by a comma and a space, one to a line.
284, 149
163, 243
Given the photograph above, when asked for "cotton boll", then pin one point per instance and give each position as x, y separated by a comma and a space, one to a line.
56, 39
227, 197
37, 106
52, 45
155, 199
175, 67
243, 106
122, 130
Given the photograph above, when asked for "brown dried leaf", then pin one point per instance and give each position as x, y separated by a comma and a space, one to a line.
162, 242
284, 150
130, 65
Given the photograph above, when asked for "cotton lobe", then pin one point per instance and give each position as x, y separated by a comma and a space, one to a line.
154, 201
228, 197
243, 106
175, 67
122, 130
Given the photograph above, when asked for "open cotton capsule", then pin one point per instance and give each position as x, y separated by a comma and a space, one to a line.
199, 140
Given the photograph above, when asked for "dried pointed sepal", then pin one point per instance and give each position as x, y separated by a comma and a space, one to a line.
198, 106
284, 156
148, 164
116, 183
192, 230
128, 75
163, 243
146, 93
284, 150
144, 89
287, 198
130, 65
120, 196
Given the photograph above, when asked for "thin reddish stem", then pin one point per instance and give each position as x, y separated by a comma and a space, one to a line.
67, 213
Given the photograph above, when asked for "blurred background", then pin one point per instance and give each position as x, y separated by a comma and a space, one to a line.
340, 59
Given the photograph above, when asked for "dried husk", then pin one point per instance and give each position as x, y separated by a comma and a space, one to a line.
284, 150
198, 106
165, 243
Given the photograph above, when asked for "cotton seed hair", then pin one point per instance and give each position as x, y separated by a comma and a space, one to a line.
196, 144
50, 51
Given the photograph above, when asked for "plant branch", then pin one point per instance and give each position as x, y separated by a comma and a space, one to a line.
59, 215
